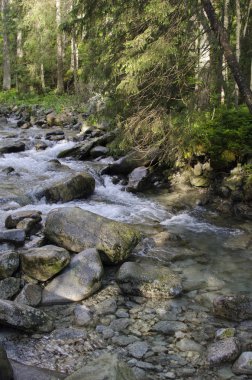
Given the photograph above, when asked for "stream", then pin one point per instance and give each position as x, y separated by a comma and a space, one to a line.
213, 253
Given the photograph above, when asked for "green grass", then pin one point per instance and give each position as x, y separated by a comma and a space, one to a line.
49, 100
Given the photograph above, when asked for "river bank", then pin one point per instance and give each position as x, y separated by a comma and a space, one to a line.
158, 334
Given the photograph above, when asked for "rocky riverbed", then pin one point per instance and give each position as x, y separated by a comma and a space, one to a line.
107, 282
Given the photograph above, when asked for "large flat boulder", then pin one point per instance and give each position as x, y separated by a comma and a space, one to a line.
44, 262
76, 229
105, 367
77, 187
148, 280
24, 317
12, 147
78, 281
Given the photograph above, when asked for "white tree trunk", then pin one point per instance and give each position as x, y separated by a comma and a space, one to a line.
224, 65
6, 48
238, 44
60, 83
42, 76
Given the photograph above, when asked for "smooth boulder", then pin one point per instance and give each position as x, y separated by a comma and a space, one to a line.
44, 262
24, 317
243, 365
76, 229
105, 367
78, 281
78, 187
148, 280
138, 179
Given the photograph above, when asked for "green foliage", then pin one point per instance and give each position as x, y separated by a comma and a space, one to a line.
50, 100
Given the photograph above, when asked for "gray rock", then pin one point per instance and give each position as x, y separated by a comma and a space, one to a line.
12, 236
9, 263
138, 179
124, 340
29, 226
30, 295
78, 187
68, 335
98, 151
225, 333
120, 324
169, 327
78, 281
44, 262
76, 229
25, 372
9, 287
148, 280
138, 349
226, 350
186, 344
82, 315
243, 365
24, 317
12, 147
235, 308
12, 220
6, 372
105, 307
103, 368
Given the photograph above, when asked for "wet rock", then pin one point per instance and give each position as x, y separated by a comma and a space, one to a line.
120, 324
9, 287
81, 279
148, 281
76, 229
123, 340
105, 367
12, 220
138, 179
8, 170
44, 262
82, 315
9, 263
138, 349
99, 151
243, 365
55, 133
6, 372
169, 327
29, 226
12, 147
186, 344
226, 350
77, 187
12, 236
235, 308
225, 333
41, 145
127, 164
30, 295
108, 306
24, 317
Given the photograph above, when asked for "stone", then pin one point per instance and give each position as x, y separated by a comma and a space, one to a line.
78, 281
9, 263
99, 151
76, 229
9, 287
24, 317
186, 344
12, 147
197, 169
13, 219
29, 226
200, 181
138, 349
148, 280
120, 324
44, 262
243, 365
55, 132
138, 179
82, 315
6, 372
235, 308
105, 307
105, 367
225, 333
124, 340
68, 335
77, 187
169, 327
226, 350
12, 236
30, 295
50, 119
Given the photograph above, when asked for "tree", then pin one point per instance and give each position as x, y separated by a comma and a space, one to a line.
60, 82
6, 46
221, 35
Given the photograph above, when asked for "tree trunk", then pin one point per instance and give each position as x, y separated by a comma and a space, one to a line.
42, 76
60, 83
221, 35
20, 55
74, 61
224, 62
238, 44
6, 47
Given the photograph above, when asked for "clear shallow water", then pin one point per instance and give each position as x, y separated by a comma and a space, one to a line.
221, 243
